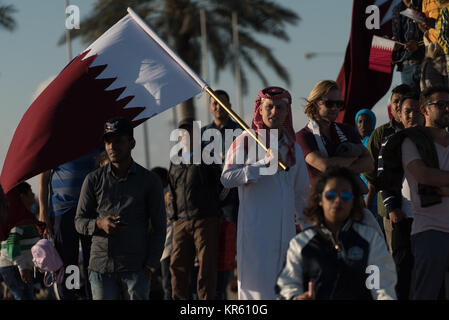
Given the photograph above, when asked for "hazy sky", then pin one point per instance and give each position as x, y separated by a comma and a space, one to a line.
30, 57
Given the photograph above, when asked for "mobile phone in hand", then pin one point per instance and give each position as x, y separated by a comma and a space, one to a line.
120, 223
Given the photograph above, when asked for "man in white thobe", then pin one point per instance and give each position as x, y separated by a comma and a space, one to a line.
271, 199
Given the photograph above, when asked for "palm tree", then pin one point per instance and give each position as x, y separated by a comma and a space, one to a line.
177, 22
6, 20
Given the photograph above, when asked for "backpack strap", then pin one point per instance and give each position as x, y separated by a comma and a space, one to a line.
54, 277
60, 275
48, 279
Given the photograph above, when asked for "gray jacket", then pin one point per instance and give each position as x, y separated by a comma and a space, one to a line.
138, 200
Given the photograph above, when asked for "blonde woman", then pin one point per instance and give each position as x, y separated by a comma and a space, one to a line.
321, 137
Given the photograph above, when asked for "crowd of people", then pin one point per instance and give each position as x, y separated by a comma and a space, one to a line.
358, 212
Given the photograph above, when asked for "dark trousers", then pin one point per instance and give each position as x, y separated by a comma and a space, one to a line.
166, 278
403, 257
67, 244
223, 279
194, 237
431, 251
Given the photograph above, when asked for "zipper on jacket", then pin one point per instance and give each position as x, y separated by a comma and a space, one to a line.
338, 251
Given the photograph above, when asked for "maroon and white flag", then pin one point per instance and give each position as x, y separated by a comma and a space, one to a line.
129, 72
361, 86
381, 54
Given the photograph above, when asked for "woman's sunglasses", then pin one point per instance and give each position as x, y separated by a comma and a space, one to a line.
334, 103
346, 196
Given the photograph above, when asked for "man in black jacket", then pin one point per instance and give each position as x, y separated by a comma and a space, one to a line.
194, 197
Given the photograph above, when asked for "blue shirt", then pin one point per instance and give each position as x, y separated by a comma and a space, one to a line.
66, 181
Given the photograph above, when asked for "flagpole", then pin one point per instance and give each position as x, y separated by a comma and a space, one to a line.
146, 144
241, 123
198, 80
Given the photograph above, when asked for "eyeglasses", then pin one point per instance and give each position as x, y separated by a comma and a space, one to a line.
346, 196
441, 104
331, 103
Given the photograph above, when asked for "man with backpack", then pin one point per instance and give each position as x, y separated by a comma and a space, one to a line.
118, 204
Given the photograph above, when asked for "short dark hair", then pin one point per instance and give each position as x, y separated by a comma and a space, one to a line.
162, 173
186, 122
24, 188
409, 95
401, 89
428, 92
221, 92
314, 212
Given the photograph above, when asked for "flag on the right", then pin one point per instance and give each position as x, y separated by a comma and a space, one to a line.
360, 86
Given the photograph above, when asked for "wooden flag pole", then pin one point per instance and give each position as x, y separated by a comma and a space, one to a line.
241, 123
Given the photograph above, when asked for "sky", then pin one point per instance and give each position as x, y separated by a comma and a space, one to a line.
30, 58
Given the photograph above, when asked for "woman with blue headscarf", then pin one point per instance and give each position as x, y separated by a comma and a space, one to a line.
365, 122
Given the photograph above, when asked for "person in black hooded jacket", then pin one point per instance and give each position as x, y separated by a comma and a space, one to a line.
194, 207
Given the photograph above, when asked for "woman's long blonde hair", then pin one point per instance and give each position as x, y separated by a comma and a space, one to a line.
321, 89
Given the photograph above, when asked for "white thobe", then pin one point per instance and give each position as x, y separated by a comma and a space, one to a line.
266, 221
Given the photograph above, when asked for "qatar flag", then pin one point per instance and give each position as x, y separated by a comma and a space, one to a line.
127, 72
361, 86
381, 54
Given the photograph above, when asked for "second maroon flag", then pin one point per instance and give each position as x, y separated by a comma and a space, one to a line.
362, 87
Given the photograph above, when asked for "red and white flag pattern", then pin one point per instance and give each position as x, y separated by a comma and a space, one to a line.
129, 72
381, 54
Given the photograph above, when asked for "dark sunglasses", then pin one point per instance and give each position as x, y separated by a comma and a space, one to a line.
346, 196
441, 104
331, 103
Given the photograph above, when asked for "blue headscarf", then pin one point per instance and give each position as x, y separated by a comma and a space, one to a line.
372, 116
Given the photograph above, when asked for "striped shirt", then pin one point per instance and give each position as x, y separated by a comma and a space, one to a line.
66, 181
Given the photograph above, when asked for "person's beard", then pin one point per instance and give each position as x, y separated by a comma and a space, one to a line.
442, 122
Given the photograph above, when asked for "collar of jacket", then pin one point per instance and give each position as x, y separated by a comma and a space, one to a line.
327, 233
132, 168
394, 124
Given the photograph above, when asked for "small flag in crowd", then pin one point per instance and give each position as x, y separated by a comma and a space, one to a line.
381, 54
127, 72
